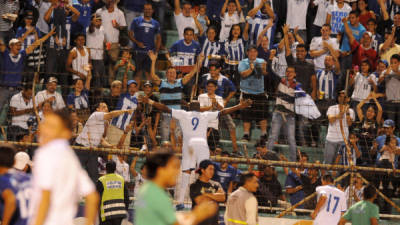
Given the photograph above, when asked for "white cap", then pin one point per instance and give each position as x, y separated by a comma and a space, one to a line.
21, 159
13, 41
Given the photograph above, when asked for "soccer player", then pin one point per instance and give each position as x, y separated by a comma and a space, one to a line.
15, 189
153, 204
331, 203
59, 181
194, 128
363, 212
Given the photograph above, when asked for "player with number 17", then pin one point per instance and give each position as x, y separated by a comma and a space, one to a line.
194, 128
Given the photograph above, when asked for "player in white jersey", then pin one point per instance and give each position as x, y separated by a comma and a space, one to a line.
331, 203
194, 128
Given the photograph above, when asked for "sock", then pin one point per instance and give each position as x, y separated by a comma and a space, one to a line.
184, 187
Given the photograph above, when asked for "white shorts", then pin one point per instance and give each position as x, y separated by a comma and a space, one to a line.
193, 152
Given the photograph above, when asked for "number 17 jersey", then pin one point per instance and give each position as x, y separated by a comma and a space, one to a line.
334, 206
20, 184
194, 124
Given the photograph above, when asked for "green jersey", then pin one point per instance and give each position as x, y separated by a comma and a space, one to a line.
153, 206
361, 213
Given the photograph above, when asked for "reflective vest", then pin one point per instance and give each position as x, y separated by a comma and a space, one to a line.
112, 200
235, 207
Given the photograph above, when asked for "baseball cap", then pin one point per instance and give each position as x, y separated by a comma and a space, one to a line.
13, 41
388, 123
368, 33
148, 83
29, 16
132, 82
21, 160
52, 79
204, 164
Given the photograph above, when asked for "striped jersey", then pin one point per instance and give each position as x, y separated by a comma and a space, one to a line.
256, 25
171, 94
126, 101
184, 54
234, 50
209, 48
327, 81
79, 101
7, 6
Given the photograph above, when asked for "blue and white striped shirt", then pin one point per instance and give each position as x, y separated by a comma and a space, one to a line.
210, 48
327, 81
234, 50
256, 25
126, 101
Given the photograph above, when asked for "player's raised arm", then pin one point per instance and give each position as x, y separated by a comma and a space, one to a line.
242, 105
159, 106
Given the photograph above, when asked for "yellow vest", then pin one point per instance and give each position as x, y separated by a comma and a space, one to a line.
112, 200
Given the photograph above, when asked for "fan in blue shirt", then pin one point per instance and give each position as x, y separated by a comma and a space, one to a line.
185, 50
224, 174
85, 9
145, 30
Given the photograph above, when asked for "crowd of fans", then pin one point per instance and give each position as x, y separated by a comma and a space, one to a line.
99, 56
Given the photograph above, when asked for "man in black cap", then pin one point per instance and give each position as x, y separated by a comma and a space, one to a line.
204, 189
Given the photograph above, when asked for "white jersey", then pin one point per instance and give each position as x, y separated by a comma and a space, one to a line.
362, 87
194, 124
334, 206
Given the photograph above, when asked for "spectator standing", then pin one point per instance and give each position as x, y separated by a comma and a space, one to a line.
210, 46
389, 47
92, 135
391, 80
225, 174
114, 196
111, 99
229, 17
9, 11
50, 95
357, 30
361, 50
320, 17
113, 21
365, 14
171, 94
258, 22
151, 112
185, 51
252, 71
204, 189
211, 102
13, 60
84, 8
296, 16
42, 25
78, 62
133, 9
55, 162
338, 115
234, 52
335, 13
214, 12
242, 205
127, 101
21, 109
225, 89
322, 46
95, 37
364, 212
186, 17
144, 32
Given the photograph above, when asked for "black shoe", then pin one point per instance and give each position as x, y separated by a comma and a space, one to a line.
245, 138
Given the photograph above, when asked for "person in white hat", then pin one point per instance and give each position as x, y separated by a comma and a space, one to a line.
22, 161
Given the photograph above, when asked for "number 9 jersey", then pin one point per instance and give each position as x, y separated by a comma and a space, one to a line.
334, 206
20, 184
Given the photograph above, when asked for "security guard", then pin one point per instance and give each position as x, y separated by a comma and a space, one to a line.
114, 196
242, 206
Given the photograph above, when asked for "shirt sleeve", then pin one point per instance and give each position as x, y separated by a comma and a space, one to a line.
251, 211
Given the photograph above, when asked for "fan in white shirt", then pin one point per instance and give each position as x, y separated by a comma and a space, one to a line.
59, 182
229, 18
50, 95
185, 17
331, 203
363, 82
322, 46
194, 128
